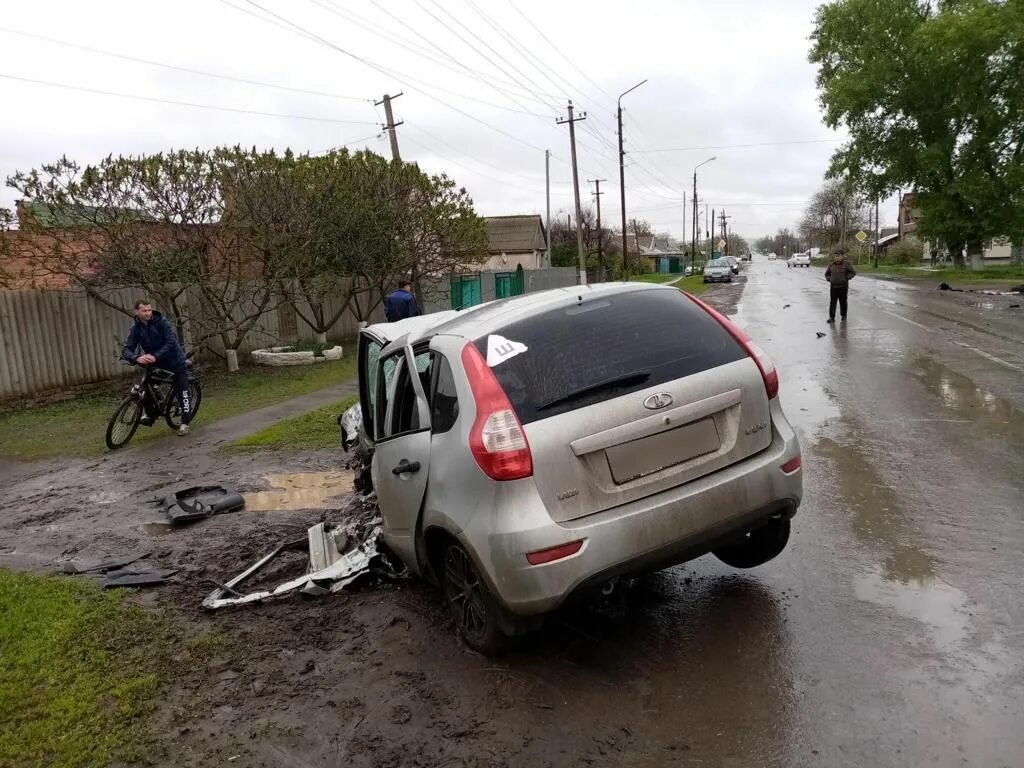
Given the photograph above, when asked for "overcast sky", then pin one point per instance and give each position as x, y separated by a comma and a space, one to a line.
483, 82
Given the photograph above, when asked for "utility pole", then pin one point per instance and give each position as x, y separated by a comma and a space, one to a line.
547, 220
723, 230
877, 231
622, 178
696, 229
684, 229
600, 248
391, 124
576, 188
712, 241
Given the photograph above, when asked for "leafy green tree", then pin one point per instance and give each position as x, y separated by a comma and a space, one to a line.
931, 95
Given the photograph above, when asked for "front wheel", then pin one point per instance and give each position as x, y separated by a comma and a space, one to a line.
756, 547
472, 606
173, 415
123, 423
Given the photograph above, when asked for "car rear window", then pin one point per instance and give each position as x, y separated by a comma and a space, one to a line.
609, 345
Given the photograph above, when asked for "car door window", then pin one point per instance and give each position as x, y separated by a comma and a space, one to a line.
385, 392
445, 403
405, 416
370, 363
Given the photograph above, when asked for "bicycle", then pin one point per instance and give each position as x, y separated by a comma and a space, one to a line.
156, 385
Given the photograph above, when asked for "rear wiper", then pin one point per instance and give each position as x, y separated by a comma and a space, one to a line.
636, 377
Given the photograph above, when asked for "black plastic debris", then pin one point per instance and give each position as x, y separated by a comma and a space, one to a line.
123, 571
786, 306
820, 335
137, 576
199, 502
104, 565
948, 287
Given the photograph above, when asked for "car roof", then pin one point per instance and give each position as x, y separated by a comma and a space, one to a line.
486, 318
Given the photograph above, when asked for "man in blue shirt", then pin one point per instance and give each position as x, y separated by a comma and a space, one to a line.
400, 304
154, 335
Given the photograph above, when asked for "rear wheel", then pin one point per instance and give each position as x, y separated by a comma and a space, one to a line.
472, 606
123, 423
756, 547
173, 415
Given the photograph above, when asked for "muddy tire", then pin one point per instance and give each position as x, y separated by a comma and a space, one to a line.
756, 547
173, 415
123, 423
473, 607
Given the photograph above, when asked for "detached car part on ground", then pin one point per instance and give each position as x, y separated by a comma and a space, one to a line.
532, 449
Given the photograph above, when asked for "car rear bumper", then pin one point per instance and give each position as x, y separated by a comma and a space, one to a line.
652, 533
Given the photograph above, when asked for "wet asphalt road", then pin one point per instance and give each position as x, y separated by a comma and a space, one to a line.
891, 632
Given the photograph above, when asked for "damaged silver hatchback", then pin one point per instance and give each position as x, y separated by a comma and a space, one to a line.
532, 448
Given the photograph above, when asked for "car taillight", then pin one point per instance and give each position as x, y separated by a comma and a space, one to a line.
791, 466
496, 440
542, 556
760, 357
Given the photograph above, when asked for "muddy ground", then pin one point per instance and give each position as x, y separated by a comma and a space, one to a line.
889, 633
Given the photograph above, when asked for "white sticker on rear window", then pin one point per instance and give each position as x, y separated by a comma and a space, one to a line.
500, 349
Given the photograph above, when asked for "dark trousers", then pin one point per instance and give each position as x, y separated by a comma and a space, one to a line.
837, 293
180, 391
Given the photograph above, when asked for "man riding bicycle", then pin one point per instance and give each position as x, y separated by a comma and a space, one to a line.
153, 334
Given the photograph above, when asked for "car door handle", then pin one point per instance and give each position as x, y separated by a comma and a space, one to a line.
406, 467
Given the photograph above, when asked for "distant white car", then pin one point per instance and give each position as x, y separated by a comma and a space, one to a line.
799, 260
772, 257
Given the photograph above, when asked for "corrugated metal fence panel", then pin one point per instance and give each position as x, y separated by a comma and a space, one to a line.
52, 339
55, 339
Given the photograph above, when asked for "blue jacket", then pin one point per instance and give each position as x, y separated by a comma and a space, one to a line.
400, 305
157, 337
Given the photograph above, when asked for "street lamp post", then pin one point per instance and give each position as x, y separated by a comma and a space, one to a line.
695, 232
622, 176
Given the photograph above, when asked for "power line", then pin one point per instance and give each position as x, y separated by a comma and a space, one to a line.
175, 67
558, 50
473, 47
183, 103
434, 152
349, 144
416, 49
739, 146
439, 140
378, 68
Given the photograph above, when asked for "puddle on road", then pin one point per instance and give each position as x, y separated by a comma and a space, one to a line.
300, 490
157, 529
931, 601
808, 405
877, 516
960, 394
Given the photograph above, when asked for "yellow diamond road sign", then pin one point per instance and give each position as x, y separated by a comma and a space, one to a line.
861, 236
721, 244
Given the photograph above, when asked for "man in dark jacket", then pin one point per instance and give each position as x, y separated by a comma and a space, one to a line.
839, 274
155, 336
400, 304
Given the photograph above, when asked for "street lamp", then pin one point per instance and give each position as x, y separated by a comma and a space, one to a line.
695, 201
622, 177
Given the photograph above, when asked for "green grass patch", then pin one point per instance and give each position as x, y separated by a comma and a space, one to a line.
1009, 272
315, 430
693, 284
78, 676
76, 427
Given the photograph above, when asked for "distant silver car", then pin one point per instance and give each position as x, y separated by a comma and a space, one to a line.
534, 448
718, 270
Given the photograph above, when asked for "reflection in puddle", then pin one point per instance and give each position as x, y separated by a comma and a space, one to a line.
808, 404
930, 601
877, 518
300, 490
960, 394
158, 529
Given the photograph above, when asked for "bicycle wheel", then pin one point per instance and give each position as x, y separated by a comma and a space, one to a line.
173, 414
124, 422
